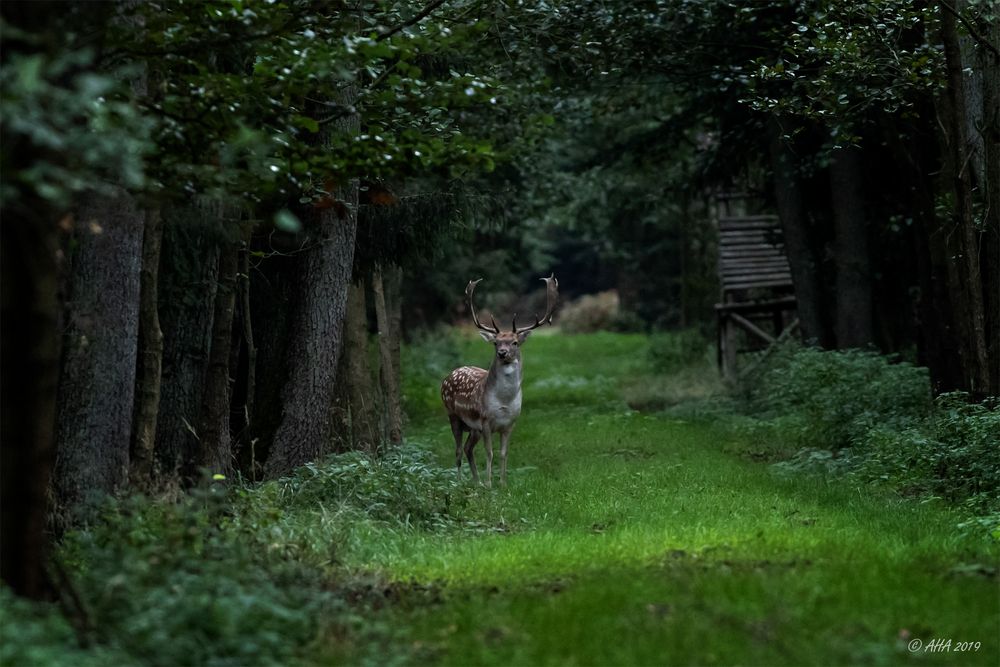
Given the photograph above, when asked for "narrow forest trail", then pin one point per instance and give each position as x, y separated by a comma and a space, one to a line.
626, 538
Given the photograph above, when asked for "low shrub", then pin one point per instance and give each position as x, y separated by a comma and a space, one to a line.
590, 313
954, 454
170, 584
858, 413
827, 399
405, 487
233, 575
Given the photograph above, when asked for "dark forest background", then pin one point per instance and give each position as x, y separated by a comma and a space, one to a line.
222, 219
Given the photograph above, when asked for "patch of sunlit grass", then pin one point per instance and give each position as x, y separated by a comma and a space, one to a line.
628, 538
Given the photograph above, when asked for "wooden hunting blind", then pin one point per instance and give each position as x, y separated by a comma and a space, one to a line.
757, 307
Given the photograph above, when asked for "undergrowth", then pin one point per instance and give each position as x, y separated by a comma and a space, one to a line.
861, 414
233, 575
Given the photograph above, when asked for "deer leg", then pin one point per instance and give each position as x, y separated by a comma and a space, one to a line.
504, 441
456, 430
488, 443
470, 446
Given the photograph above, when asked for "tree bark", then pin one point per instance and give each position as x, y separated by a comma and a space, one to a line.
394, 303
29, 320
854, 325
990, 253
360, 384
250, 349
216, 443
150, 359
801, 257
188, 282
963, 239
97, 385
388, 372
307, 398
315, 344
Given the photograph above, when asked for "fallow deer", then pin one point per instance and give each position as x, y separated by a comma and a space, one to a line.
482, 402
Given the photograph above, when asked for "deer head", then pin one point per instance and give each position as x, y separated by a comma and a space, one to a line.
508, 343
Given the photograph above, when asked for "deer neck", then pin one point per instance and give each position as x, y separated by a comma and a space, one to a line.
504, 380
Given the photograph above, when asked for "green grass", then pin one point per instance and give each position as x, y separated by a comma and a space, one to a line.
628, 538
624, 538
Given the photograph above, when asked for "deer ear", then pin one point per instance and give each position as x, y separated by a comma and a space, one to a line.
488, 336
523, 336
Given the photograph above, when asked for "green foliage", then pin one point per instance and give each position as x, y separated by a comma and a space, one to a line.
170, 584
841, 60
66, 129
403, 488
426, 362
245, 575
954, 454
855, 413
34, 633
828, 399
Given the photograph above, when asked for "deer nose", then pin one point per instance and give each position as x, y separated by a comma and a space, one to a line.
502, 353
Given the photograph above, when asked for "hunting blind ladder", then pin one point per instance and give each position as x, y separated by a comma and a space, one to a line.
758, 299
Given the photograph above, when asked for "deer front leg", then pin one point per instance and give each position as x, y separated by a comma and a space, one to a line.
488, 443
504, 441
470, 446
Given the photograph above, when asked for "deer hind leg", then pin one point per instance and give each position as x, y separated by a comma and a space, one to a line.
504, 441
470, 446
456, 430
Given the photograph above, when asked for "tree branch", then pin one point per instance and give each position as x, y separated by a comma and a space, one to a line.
982, 41
422, 14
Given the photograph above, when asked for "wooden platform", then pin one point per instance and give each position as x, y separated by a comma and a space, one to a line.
757, 291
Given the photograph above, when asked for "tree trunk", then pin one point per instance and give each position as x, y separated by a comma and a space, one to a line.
341, 440
962, 238
150, 359
307, 398
216, 444
29, 315
854, 326
188, 282
990, 252
394, 303
97, 385
388, 372
249, 347
360, 385
801, 258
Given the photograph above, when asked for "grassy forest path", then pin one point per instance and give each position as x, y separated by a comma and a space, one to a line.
630, 538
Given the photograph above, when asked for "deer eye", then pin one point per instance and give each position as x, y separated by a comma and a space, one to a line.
515, 343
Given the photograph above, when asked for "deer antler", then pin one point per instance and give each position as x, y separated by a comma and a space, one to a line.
551, 296
469, 289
